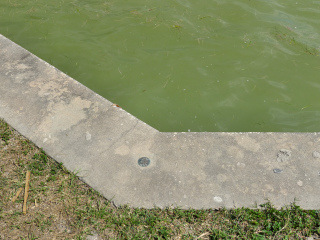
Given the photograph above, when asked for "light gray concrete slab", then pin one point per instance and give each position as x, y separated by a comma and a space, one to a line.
103, 143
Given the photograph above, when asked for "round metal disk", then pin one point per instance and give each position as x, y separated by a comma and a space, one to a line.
144, 162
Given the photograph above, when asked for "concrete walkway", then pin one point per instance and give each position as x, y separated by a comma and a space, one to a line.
132, 163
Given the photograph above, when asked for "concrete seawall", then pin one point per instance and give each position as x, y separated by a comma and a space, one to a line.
132, 163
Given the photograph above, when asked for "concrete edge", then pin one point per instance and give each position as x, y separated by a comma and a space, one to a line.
132, 163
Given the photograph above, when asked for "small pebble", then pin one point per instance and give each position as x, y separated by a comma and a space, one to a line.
217, 199
316, 154
300, 183
94, 236
88, 136
277, 170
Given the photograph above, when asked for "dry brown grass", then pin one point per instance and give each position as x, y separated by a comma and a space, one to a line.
52, 193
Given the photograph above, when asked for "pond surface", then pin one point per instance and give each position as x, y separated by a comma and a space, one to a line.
182, 65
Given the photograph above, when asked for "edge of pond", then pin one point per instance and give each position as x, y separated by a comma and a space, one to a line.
129, 162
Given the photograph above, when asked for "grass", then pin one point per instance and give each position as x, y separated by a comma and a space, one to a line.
60, 206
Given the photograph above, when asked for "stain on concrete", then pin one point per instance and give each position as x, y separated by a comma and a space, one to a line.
62, 116
52, 89
241, 164
283, 155
248, 143
235, 152
122, 150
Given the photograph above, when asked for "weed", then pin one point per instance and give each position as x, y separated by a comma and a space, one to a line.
39, 164
5, 132
288, 38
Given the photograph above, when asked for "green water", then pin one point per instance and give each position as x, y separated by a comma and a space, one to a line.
179, 65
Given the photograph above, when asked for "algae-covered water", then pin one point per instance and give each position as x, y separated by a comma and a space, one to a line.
182, 65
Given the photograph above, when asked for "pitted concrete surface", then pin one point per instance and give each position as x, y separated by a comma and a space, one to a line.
103, 143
